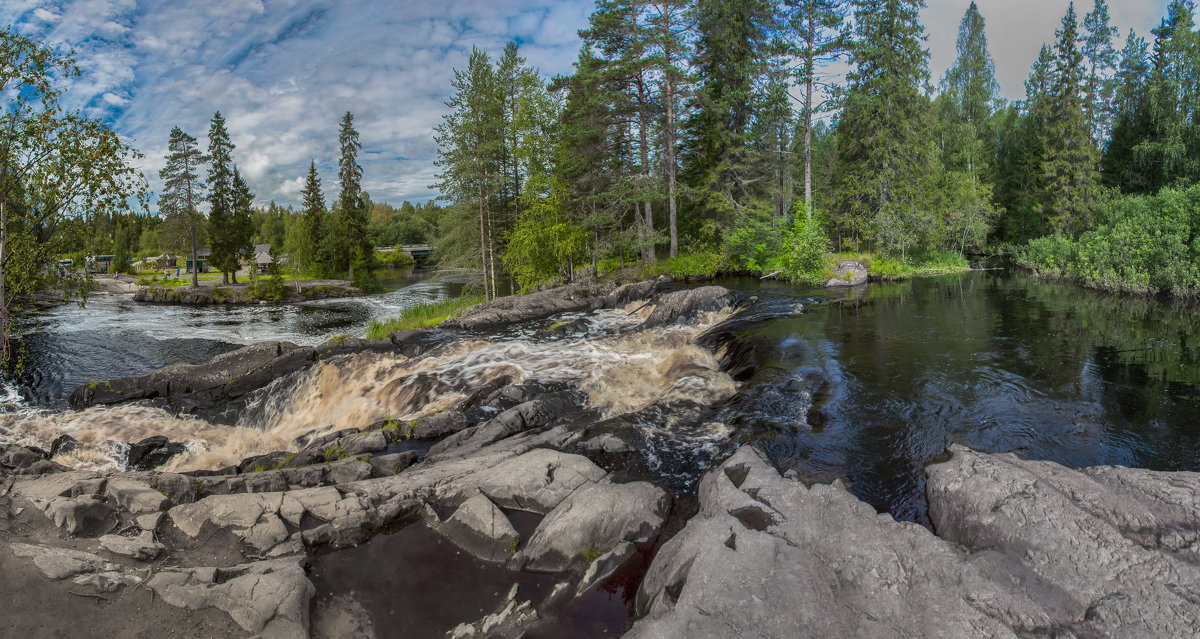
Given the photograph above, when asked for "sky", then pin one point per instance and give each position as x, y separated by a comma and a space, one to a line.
284, 71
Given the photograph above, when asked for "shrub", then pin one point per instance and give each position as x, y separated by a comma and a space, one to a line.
804, 248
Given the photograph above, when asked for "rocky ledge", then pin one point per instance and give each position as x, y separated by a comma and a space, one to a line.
241, 294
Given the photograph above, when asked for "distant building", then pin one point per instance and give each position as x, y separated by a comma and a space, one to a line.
263, 258
202, 256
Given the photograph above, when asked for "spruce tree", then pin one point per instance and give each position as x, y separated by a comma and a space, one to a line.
820, 39
182, 190
309, 257
732, 47
1169, 151
1069, 164
1118, 167
221, 196
1101, 59
970, 94
669, 26
885, 153
350, 227
239, 236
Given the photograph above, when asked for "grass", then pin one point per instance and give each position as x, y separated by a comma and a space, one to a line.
421, 315
162, 283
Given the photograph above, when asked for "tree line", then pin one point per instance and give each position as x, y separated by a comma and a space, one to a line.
716, 128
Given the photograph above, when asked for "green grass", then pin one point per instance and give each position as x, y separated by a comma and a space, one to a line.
162, 283
421, 315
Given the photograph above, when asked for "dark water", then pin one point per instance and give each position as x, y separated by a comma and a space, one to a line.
998, 361
113, 336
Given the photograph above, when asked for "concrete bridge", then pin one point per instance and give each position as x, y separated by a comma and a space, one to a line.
416, 251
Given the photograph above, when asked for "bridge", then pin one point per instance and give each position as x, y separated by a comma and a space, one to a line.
415, 251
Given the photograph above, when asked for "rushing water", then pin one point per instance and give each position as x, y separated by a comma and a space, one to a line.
868, 385
67, 346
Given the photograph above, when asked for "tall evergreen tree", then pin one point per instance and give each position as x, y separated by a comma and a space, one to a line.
1118, 167
221, 198
182, 189
1169, 151
820, 39
239, 237
307, 257
1069, 165
732, 49
669, 25
1101, 59
884, 150
350, 225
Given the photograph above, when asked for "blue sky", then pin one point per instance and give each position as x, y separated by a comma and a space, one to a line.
283, 71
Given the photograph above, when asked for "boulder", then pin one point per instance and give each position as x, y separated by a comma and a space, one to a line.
848, 273
593, 520
152, 452
537, 413
685, 305
443, 423
142, 548
251, 516
511, 621
80, 515
482, 529
267, 598
135, 497
63, 444
385, 465
536, 481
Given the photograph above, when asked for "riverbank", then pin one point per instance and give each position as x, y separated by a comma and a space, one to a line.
612, 451
213, 292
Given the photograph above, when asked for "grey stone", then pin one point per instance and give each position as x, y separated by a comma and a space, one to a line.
60, 563
267, 481
848, 273
267, 598
605, 565
135, 497
365, 443
150, 522
251, 516
348, 470
482, 529
537, 480
594, 519
385, 465
443, 423
76, 515
677, 306
142, 548
510, 621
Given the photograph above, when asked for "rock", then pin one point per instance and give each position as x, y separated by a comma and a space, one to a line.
535, 481
685, 305
267, 481
18, 458
63, 444
365, 443
443, 423
251, 516
1110, 549
582, 296
179, 488
152, 452
80, 515
537, 413
142, 548
848, 273
1030, 549
348, 470
482, 529
605, 565
385, 465
307, 476
60, 563
593, 520
149, 522
135, 497
267, 598
342, 617
42, 467
511, 621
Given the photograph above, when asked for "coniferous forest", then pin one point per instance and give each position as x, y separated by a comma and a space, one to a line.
704, 136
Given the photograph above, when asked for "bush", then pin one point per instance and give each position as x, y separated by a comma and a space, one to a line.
421, 315
805, 246
394, 259
691, 266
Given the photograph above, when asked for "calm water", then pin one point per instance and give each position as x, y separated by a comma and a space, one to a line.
997, 361
114, 336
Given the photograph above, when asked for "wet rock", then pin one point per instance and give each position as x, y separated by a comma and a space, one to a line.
267, 598
152, 452
848, 273
42, 467
17, 458
348, 470
482, 529
385, 465
605, 565
80, 515
443, 423
63, 444
342, 617
142, 548
593, 520
511, 621
267, 481
685, 305
307, 476
135, 497
537, 413
583, 296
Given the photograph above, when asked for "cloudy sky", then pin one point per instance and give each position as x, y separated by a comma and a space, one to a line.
283, 71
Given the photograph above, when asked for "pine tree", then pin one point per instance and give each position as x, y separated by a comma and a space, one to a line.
182, 189
820, 39
669, 26
350, 224
221, 198
1020, 184
308, 256
1069, 165
1118, 168
1101, 58
885, 153
732, 48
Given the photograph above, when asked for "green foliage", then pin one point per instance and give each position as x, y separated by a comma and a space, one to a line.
754, 241
394, 259
804, 248
335, 452
1142, 245
421, 315
590, 554
544, 244
689, 266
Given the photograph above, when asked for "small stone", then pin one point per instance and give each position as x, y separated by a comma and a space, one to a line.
141, 548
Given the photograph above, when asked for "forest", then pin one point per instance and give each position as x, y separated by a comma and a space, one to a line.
715, 136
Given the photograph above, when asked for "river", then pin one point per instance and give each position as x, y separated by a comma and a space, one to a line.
868, 385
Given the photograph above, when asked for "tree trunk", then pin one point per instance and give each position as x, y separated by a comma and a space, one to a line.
483, 245
4, 344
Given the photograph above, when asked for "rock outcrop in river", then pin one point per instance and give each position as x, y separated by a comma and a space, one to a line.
528, 508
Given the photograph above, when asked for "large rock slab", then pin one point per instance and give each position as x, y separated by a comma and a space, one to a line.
679, 306
482, 529
594, 520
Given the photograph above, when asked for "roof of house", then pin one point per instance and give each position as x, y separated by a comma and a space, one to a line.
262, 248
